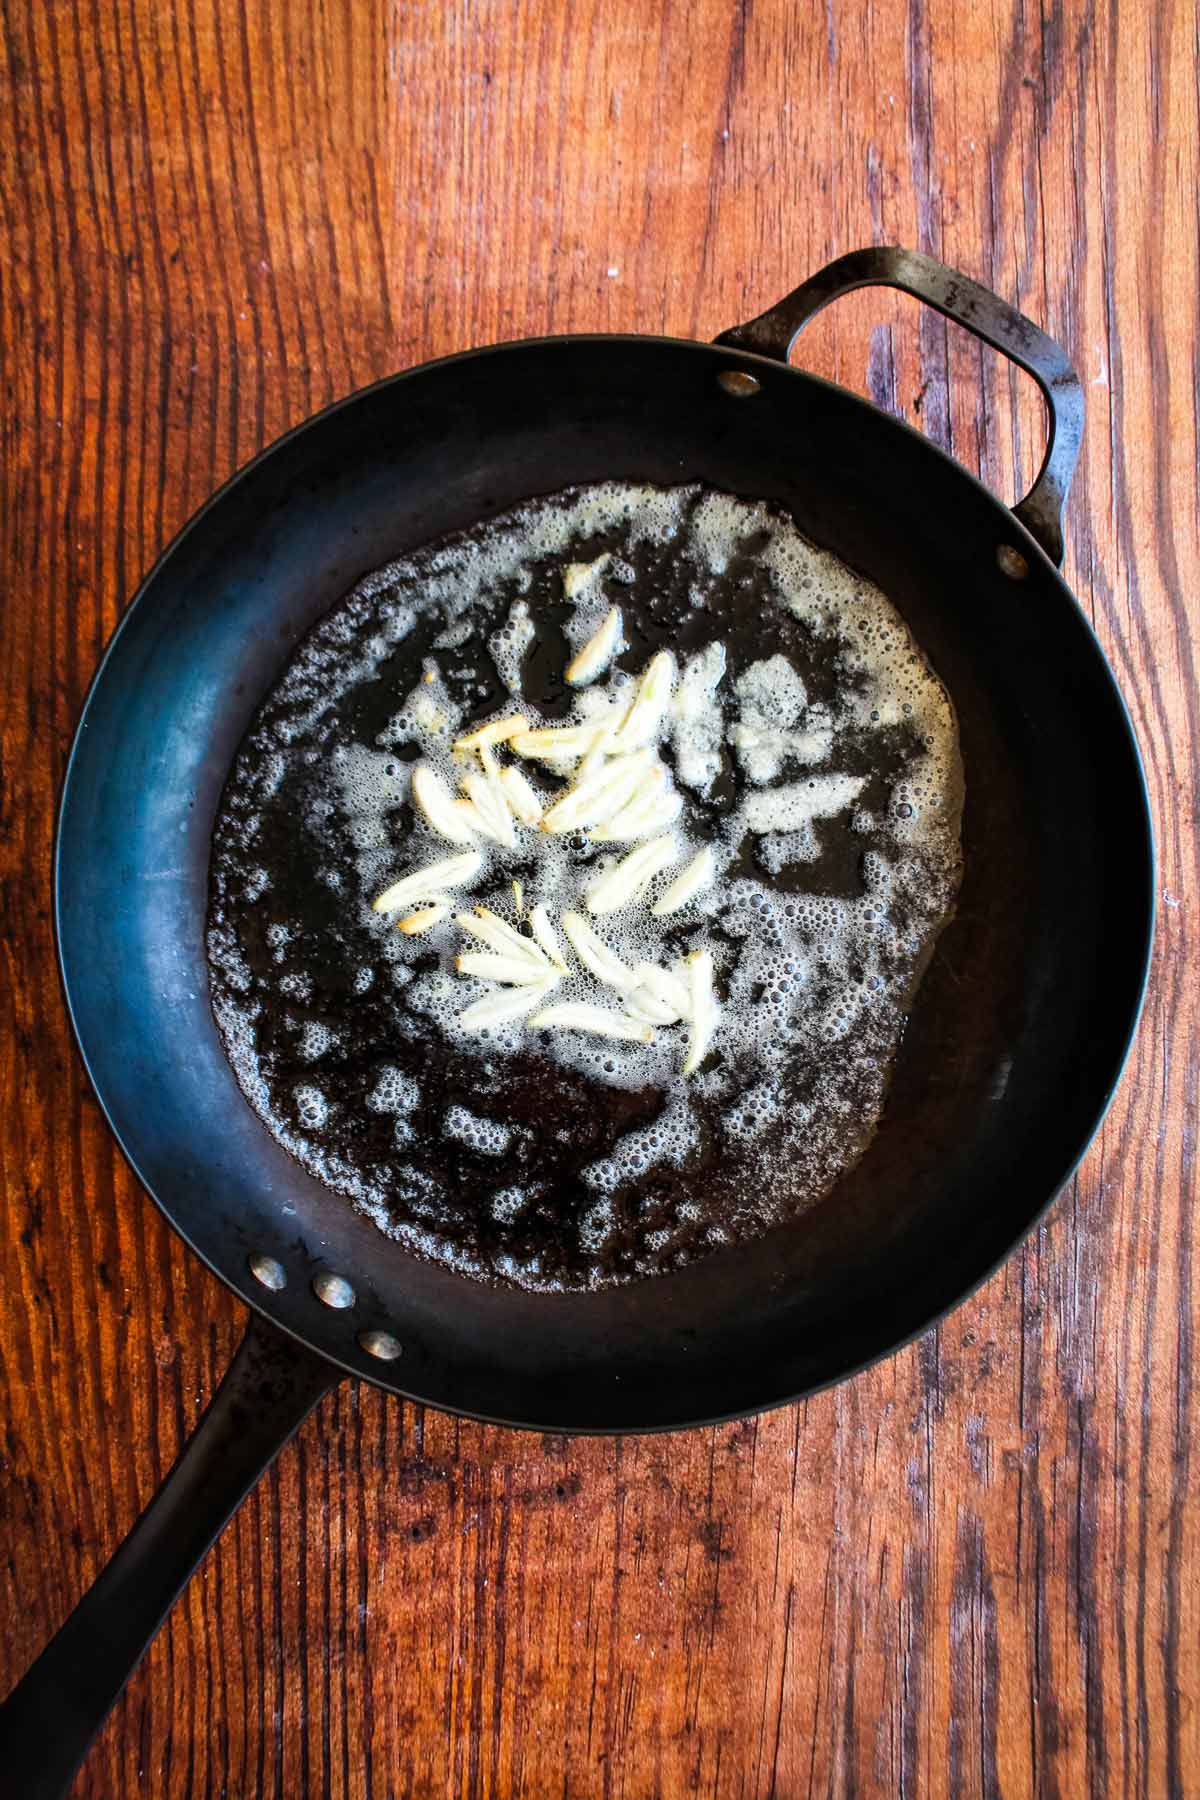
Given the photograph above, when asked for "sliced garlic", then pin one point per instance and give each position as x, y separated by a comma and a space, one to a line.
698, 875
498, 732
486, 928
435, 802
515, 940
471, 815
513, 971
602, 797
431, 882
595, 954
424, 919
500, 806
654, 821
651, 810
499, 1008
627, 879
556, 743
644, 1005
598, 652
703, 1009
522, 796
487, 798
594, 757
518, 898
576, 1016
669, 989
652, 785
547, 937
650, 703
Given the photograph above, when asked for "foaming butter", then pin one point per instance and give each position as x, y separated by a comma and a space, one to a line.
815, 754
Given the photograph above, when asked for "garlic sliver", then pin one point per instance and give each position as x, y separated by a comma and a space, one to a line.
591, 802
644, 1005
498, 732
555, 743
489, 802
595, 954
435, 803
598, 652
487, 929
650, 703
547, 937
642, 818
499, 1008
703, 1009
653, 784
424, 919
431, 882
594, 758
472, 816
514, 971
629, 877
664, 815
667, 988
574, 1016
516, 941
522, 796
697, 876
500, 806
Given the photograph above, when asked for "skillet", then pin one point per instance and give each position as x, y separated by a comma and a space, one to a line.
1009, 1060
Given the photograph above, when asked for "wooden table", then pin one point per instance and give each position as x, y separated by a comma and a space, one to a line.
973, 1570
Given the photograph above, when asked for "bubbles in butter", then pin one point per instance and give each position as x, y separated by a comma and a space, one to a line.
510, 645
771, 776
490, 1137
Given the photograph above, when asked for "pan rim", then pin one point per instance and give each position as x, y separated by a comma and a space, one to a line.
1029, 548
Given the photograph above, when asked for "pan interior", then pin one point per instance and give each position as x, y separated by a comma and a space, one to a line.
562, 1159
1021, 1023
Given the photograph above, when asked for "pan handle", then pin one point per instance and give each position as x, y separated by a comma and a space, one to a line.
56, 1709
984, 315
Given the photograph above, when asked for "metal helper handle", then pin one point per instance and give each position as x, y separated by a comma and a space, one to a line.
984, 315
57, 1707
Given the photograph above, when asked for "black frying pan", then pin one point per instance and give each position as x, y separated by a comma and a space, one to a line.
1008, 1063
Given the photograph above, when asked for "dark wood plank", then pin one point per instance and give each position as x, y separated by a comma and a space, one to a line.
972, 1571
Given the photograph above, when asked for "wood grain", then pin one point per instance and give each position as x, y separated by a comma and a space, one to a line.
973, 1571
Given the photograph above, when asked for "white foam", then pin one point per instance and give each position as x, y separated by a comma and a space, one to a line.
490, 1137
772, 692
312, 1105
511, 644
794, 972
780, 850
394, 1091
697, 718
670, 1138
315, 1039
775, 724
430, 717
507, 1202
369, 783
796, 804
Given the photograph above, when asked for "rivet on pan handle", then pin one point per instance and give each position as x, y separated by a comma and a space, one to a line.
984, 315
